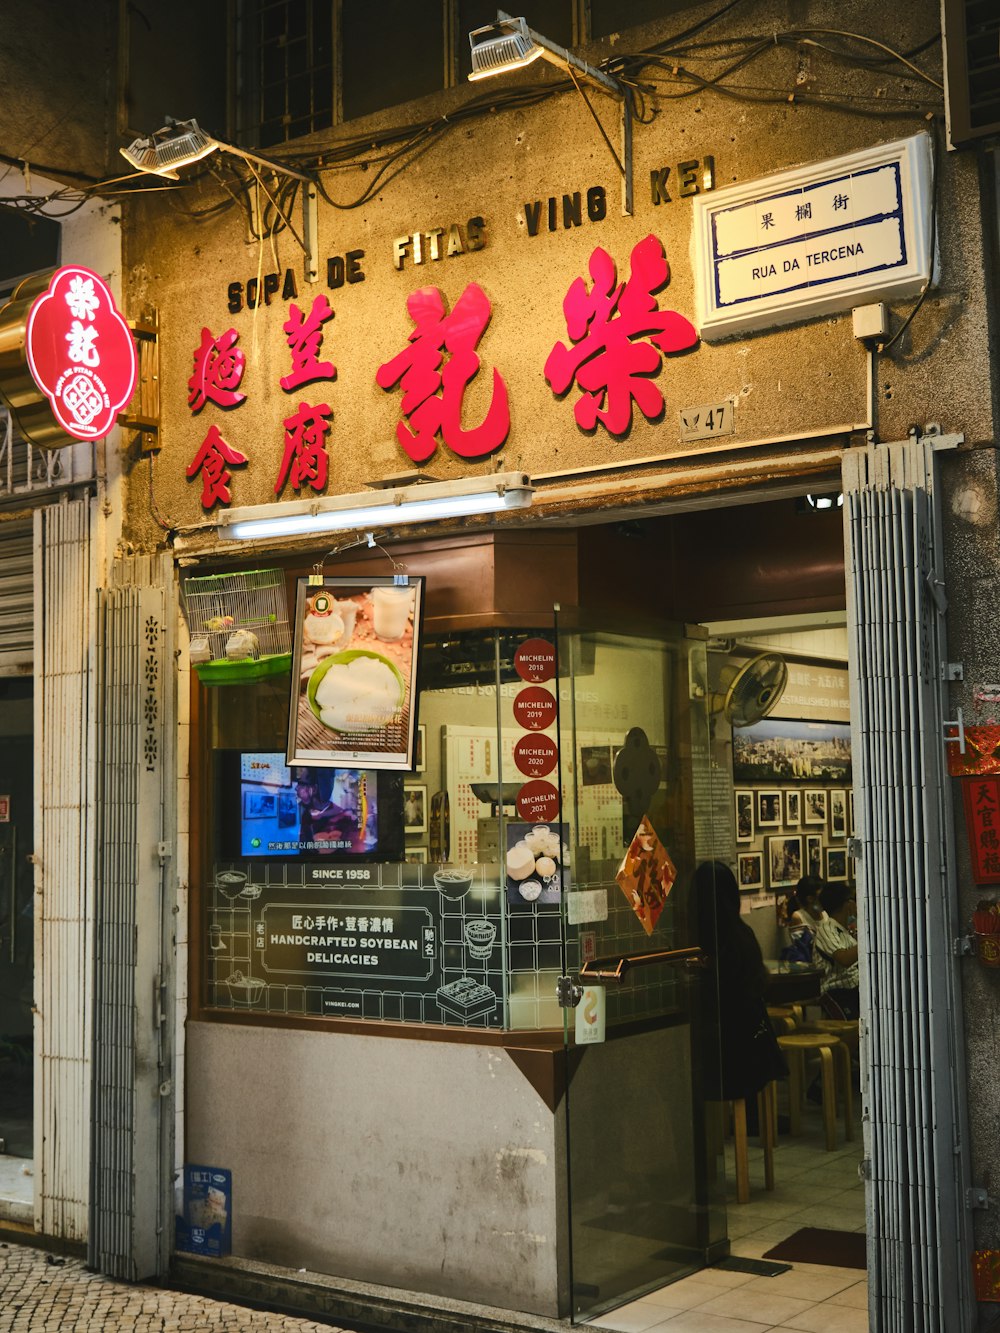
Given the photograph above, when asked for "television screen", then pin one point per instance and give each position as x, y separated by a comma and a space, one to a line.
282, 812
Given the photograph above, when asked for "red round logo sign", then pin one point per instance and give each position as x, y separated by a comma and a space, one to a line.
534, 708
535, 660
80, 353
535, 756
538, 802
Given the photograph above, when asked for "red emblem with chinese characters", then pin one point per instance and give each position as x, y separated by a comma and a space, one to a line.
619, 335
432, 396
80, 352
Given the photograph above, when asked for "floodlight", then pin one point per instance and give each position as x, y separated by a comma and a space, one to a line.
509, 44
181, 142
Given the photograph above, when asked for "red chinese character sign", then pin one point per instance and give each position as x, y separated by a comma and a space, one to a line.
619, 337
982, 821
433, 396
80, 352
218, 371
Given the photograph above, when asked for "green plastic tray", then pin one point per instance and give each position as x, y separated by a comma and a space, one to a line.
243, 673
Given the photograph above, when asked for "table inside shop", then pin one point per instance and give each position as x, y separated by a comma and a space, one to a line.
791, 983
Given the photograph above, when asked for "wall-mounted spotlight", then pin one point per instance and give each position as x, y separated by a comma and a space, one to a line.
180, 143
811, 504
509, 44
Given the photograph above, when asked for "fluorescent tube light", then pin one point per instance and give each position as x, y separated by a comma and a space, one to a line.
410, 504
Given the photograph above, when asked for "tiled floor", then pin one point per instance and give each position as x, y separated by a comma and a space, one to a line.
813, 1188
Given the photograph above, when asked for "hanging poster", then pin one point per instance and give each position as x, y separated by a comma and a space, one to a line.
354, 673
982, 821
646, 875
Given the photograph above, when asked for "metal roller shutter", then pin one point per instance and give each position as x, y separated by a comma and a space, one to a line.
16, 596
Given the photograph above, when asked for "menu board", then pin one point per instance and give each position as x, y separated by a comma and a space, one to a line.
354, 673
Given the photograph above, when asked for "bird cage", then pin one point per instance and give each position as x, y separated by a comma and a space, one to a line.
238, 625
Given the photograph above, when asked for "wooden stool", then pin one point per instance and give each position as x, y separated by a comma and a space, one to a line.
796, 1046
846, 1030
766, 1117
784, 1017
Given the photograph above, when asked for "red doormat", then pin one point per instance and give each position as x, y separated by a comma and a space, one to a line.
814, 1245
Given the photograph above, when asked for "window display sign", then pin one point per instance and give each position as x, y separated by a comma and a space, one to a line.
354, 673
399, 942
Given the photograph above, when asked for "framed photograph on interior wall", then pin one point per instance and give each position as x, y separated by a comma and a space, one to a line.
814, 806
415, 855
784, 861
769, 809
793, 808
744, 815
786, 750
814, 855
414, 807
750, 870
836, 863
838, 813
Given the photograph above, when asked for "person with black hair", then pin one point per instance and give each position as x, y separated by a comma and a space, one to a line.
750, 1054
806, 911
836, 949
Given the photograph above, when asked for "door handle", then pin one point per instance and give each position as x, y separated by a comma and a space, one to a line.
616, 967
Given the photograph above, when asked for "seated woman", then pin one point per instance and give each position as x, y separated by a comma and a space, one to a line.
809, 914
836, 949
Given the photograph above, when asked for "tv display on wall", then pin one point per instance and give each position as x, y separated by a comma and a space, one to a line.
268, 809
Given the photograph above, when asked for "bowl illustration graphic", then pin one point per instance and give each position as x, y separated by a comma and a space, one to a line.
453, 881
251, 891
231, 882
356, 690
480, 936
245, 990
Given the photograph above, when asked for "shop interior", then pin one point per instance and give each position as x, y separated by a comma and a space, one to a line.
673, 626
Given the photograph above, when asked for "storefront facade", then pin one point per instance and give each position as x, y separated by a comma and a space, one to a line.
417, 1117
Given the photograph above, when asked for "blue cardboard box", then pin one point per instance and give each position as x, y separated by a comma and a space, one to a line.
206, 1224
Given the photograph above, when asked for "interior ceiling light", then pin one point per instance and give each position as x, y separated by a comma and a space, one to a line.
509, 44
409, 504
831, 500
180, 143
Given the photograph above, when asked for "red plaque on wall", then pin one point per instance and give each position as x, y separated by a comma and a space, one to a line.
981, 797
536, 756
534, 708
538, 802
535, 660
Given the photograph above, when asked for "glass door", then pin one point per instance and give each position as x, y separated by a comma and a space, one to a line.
644, 1169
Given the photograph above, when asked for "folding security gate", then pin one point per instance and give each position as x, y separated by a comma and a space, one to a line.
918, 1234
131, 1193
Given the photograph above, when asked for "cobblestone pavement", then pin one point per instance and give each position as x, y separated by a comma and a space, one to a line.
39, 1291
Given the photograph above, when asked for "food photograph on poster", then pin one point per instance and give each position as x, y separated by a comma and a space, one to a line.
784, 861
354, 673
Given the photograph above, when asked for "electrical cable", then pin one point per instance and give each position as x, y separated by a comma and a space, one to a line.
884, 347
